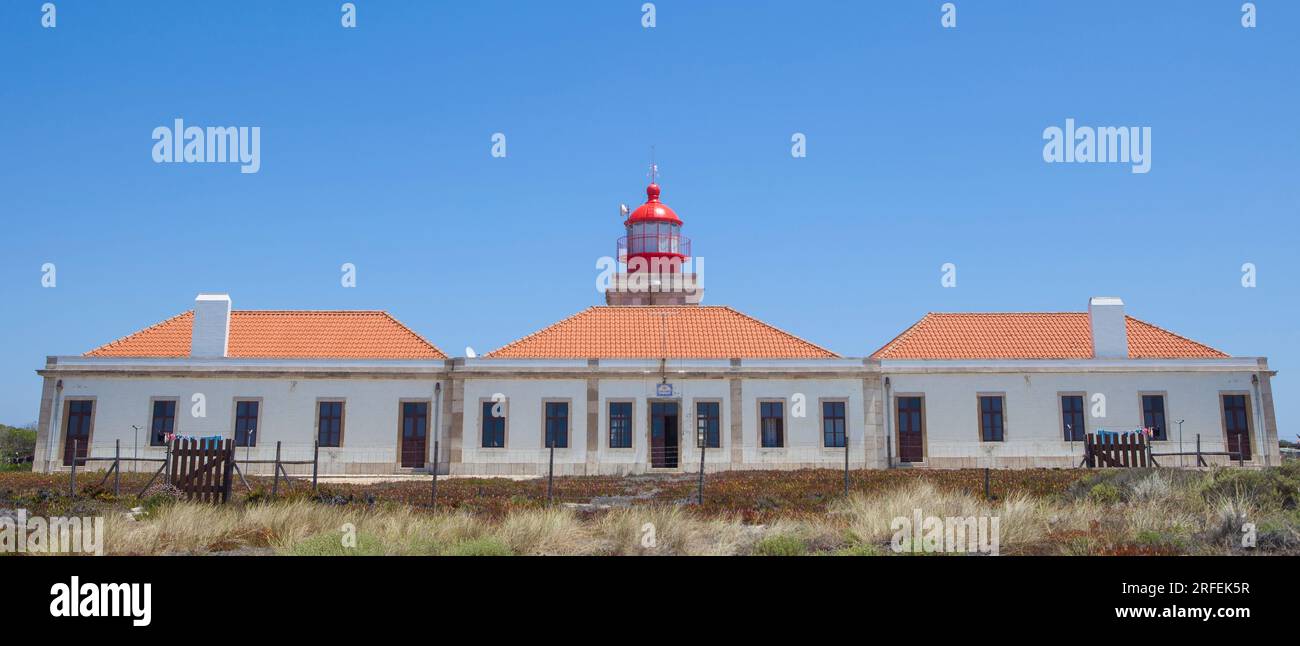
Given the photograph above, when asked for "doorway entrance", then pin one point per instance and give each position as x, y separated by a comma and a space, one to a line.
911, 431
1236, 424
76, 431
415, 431
664, 435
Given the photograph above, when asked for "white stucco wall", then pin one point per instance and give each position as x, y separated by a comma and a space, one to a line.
525, 451
372, 399
803, 441
686, 393
525, 439
1033, 426
287, 414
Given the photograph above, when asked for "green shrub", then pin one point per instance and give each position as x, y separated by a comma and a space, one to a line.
858, 549
1105, 493
17, 441
780, 545
484, 546
1268, 489
1169, 540
331, 544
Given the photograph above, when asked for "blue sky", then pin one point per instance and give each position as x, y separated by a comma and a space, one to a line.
924, 147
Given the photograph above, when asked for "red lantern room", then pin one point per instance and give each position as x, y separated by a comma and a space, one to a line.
654, 232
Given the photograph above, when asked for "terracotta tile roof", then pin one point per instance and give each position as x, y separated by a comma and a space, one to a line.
644, 331
1035, 335
285, 334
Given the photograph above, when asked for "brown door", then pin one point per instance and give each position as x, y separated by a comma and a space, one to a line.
415, 432
663, 435
1236, 423
910, 433
77, 430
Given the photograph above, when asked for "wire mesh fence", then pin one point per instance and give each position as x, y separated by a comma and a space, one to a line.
546, 476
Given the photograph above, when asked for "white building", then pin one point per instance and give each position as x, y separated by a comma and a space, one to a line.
639, 384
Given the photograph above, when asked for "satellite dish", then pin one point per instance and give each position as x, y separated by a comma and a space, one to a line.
470, 353
622, 208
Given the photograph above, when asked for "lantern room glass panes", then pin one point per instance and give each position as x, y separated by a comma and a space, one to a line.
654, 237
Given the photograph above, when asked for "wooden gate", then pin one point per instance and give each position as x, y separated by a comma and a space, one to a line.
1117, 450
201, 468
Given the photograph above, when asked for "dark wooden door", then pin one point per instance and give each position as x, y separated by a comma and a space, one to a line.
77, 430
663, 435
911, 434
415, 433
1236, 423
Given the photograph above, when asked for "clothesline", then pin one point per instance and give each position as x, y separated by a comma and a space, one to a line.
204, 440
1115, 435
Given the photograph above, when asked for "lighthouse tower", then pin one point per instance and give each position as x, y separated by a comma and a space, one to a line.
656, 267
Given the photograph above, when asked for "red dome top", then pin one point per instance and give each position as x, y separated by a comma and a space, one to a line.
653, 210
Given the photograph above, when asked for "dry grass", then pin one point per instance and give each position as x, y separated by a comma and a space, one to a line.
1103, 512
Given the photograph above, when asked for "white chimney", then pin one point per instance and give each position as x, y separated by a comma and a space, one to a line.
1109, 327
211, 334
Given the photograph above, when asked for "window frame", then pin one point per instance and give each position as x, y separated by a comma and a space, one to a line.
609, 424
568, 421
695, 408
979, 409
1060, 410
234, 420
343, 415
176, 418
505, 424
821, 408
1164, 410
784, 419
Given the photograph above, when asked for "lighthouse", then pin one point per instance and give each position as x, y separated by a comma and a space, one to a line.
655, 262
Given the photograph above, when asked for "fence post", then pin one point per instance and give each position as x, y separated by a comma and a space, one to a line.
117, 467
704, 446
846, 463
275, 481
315, 459
550, 473
433, 495
1199, 461
167, 462
72, 478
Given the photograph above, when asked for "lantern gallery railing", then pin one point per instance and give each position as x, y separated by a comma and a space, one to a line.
650, 243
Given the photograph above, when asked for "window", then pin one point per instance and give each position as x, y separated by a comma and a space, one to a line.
329, 423
162, 422
772, 424
246, 422
1153, 416
620, 425
494, 425
1072, 418
991, 418
833, 424
557, 425
708, 424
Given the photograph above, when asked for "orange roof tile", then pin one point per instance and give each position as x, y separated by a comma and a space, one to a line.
1033, 335
653, 331
285, 334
